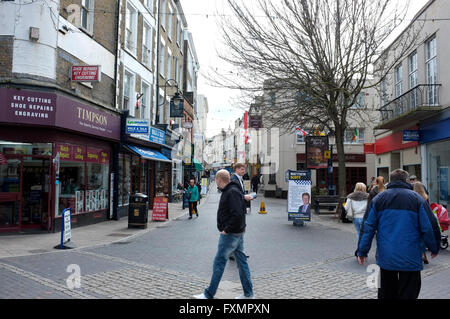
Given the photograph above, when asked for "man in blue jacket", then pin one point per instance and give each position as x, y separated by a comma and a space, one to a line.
401, 219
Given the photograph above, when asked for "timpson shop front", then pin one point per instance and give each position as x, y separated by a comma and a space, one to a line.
55, 152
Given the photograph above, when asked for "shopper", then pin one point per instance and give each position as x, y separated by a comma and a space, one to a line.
419, 188
237, 177
231, 225
401, 218
356, 206
255, 183
378, 188
192, 195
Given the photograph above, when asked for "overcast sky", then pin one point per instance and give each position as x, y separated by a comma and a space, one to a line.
202, 23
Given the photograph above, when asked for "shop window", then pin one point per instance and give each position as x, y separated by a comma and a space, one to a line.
124, 179
84, 179
438, 172
10, 148
97, 190
162, 178
71, 187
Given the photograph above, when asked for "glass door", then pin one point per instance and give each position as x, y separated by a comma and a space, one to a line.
10, 193
36, 186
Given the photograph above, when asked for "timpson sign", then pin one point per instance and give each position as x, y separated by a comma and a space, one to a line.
50, 109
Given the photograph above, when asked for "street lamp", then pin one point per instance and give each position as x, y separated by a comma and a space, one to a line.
176, 100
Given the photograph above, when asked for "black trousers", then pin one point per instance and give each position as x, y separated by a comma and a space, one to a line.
193, 208
399, 284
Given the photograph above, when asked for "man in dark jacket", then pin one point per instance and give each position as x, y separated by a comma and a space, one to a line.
231, 225
402, 219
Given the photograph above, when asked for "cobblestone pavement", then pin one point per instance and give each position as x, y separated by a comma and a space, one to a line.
174, 261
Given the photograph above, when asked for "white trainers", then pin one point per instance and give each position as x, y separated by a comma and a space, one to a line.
245, 297
200, 296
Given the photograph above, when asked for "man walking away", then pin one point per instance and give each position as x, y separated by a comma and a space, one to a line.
402, 219
231, 225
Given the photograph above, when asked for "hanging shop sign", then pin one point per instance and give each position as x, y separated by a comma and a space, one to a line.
256, 121
177, 109
316, 146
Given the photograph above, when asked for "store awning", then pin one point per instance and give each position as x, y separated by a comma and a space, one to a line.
198, 166
148, 153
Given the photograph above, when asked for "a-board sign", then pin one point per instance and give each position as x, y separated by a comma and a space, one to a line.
66, 233
204, 186
299, 196
160, 208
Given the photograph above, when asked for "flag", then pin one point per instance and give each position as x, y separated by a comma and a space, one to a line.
246, 137
299, 130
355, 135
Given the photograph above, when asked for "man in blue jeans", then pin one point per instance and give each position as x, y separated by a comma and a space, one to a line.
231, 224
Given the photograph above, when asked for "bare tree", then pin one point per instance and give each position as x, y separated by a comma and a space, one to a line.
312, 56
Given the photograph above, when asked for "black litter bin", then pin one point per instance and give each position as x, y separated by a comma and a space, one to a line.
138, 211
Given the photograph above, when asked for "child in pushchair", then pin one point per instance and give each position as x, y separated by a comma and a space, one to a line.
444, 222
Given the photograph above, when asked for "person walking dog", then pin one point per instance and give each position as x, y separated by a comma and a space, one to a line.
402, 219
231, 225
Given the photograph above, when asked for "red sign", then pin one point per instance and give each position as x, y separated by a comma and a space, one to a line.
89, 73
160, 209
76, 153
369, 148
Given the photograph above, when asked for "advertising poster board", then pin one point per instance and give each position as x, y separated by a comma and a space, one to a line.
315, 152
160, 209
204, 186
299, 196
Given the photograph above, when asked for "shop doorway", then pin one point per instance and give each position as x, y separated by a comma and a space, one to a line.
25, 193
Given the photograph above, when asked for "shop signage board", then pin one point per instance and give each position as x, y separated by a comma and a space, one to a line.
316, 146
177, 109
256, 121
160, 210
299, 206
86, 73
136, 126
411, 135
54, 110
157, 136
79, 153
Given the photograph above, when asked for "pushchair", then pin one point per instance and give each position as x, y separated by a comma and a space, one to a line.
444, 222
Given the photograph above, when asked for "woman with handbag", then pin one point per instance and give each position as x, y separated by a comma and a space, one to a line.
193, 197
356, 206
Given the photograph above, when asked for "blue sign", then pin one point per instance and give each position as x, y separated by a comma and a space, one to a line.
157, 136
137, 126
411, 135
